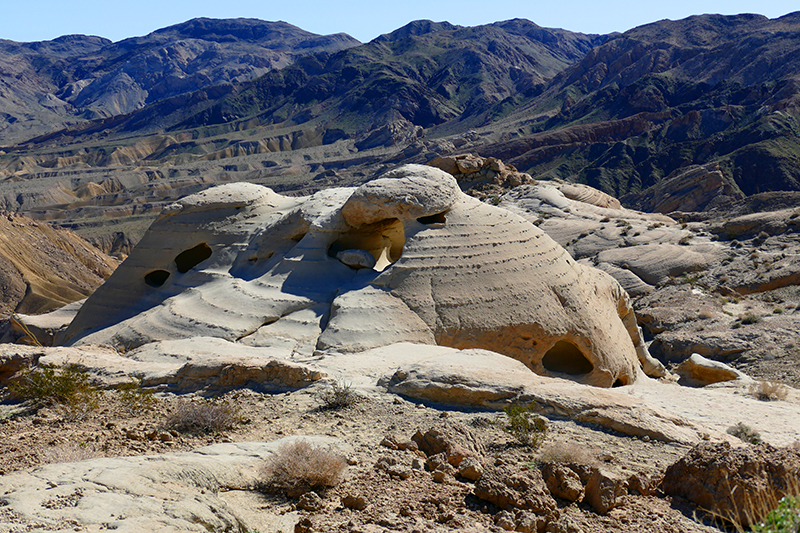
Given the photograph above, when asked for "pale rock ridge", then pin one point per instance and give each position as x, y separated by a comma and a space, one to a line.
242, 263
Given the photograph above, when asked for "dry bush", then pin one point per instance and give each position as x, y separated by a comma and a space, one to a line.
202, 417
767, 391
299, 467
567, 453
769, 511
69, 453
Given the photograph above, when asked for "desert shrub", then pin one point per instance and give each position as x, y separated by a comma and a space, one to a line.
299, 467
745, 433
777, 311
526, 429
338, 395
567, 453
772, 510
203, 416
134, 398
67, 388
750, 318
69, 453
785, 518
496, 200
766, 390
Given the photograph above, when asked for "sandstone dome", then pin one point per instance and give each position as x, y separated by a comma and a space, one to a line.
404, 258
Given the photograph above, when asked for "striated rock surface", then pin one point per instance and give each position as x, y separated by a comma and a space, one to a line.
242, 263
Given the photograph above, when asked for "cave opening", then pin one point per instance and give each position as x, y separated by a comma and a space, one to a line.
188, 259
566, 358
383, 240
156, 278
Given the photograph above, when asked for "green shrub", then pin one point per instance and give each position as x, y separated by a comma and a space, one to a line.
750, 318
68, 388
526, 429
745, 433
784, 519
338, 395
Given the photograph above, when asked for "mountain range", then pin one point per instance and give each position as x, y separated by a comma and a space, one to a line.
88, 125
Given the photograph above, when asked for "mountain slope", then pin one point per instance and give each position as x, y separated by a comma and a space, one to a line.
670, 94
74, 78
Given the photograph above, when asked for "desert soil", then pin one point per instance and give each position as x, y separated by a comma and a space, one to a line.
417, 503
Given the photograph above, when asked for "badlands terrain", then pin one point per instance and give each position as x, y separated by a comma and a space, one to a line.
246, 220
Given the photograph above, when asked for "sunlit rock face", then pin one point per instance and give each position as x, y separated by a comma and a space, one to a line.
406, 257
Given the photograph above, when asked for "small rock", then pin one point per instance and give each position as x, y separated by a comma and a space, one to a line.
528, 522
563, 482
442, 477
304, 526
641, 484
310, 501
356, 258
401, 471
471, 468
605, 490
359, 503
505, 519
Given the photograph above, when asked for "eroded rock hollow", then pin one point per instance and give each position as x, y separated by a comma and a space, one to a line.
406, 257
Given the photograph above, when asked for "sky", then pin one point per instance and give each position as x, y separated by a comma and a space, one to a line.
39, 20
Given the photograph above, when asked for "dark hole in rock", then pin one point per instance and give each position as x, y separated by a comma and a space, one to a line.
188, 259
438, 218
156, 278
620, 381
565, 357
384, 240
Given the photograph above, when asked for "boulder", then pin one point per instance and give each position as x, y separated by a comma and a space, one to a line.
510, 488
699, 371
242, 263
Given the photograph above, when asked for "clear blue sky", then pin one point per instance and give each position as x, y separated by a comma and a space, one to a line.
37, 20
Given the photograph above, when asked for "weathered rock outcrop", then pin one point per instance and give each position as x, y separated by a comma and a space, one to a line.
730, 482
242, 263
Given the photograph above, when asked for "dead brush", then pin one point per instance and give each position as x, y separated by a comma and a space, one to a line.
768, 391
567, 453
202, 416
299, 467
774, 508
69, 453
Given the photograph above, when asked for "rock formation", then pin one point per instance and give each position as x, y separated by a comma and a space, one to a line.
243, 263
